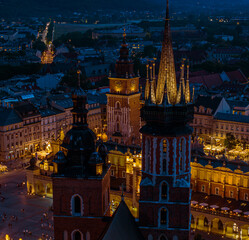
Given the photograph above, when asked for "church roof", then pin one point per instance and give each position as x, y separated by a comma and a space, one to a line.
123, 225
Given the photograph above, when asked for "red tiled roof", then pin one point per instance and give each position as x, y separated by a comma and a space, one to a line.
210, 80
237, 76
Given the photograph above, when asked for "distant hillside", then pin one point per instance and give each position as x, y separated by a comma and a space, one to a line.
47, 8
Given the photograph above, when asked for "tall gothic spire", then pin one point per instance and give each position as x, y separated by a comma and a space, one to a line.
167, 79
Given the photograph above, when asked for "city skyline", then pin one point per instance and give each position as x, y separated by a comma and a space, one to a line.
124, 124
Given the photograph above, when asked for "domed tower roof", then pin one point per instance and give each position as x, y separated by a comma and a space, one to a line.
79, 142
79, 139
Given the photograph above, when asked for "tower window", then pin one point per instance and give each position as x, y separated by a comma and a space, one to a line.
117, 105
77, 235
164, 191
163, 216
77, 205
165, 146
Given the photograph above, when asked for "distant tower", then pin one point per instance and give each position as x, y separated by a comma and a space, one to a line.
123, 101
81, 185
164, 206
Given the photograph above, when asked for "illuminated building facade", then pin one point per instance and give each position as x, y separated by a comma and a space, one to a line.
226, 179
214, 119
123, 101
26, 129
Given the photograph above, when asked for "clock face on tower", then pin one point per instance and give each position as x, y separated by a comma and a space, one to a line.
133, 85
118, 85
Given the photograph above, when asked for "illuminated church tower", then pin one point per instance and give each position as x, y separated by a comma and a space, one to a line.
164, 206
81, 185
123, 101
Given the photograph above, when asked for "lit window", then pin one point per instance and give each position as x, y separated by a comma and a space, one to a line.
164, 146
164, 190
163, 216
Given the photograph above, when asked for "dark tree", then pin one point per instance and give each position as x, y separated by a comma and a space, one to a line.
230, 141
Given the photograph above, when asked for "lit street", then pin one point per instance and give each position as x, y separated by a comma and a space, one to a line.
20, 212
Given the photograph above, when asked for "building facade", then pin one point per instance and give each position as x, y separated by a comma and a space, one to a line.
123, 102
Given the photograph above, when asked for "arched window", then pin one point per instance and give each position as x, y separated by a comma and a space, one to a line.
163, 237
165, 146
163, 217
164, 191
77, 205
117, 105
118, 127
77, 235
164, 156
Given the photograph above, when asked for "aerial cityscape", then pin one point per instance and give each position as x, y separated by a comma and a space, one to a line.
124, 120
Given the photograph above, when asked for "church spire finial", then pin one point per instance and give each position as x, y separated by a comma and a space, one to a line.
124, 37
167, 10
78, 73
167, 79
